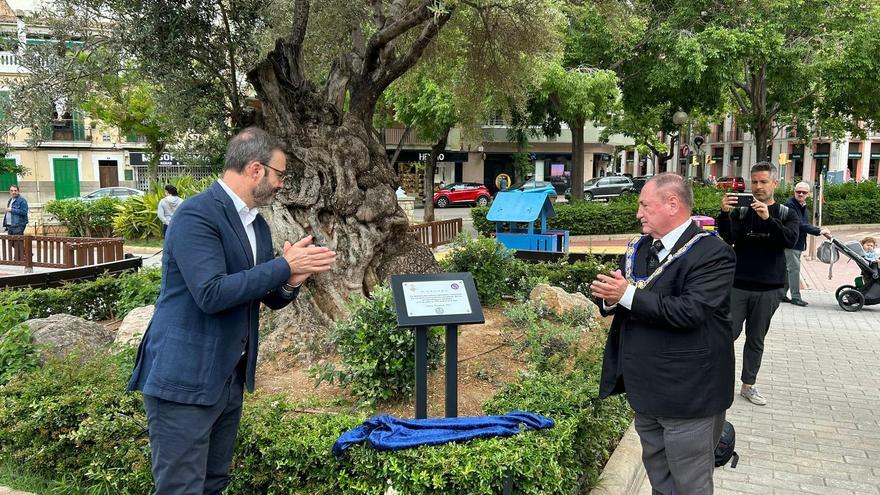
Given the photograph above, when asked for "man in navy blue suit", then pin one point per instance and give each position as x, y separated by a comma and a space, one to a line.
200, 349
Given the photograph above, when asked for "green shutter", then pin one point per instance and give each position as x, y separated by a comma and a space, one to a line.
8, 178
66, 178
79, 130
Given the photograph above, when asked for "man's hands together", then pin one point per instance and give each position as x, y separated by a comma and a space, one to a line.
305, 259
609, 288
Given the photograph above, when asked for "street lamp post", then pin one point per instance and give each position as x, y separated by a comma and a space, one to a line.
679, 118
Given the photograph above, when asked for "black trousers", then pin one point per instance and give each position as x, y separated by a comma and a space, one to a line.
191, 446
755, 309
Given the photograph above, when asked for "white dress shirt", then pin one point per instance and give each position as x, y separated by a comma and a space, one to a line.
668, 241
247, 216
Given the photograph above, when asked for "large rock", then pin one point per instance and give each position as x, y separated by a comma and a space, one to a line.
134, 325
559, 301
63, 333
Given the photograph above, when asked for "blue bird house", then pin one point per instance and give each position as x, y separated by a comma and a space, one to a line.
515, 213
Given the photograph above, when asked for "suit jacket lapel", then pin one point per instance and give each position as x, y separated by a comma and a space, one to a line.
235, 220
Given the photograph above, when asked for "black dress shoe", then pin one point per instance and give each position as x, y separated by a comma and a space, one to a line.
799, 302
785, 299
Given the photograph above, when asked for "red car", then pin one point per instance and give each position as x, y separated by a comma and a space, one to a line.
737, 184
471, 193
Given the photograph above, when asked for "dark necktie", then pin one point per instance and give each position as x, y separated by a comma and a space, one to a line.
654, 257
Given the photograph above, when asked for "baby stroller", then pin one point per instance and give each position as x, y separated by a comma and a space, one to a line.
866, 290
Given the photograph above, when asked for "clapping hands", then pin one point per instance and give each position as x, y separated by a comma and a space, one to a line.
305, 259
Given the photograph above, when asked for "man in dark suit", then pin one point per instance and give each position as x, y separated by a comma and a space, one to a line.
670, 347
200, 349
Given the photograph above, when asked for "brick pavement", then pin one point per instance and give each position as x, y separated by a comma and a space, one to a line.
820, 431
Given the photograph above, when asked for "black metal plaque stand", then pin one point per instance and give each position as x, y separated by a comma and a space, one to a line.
422, 325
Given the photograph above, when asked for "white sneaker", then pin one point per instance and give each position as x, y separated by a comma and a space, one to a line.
751, 393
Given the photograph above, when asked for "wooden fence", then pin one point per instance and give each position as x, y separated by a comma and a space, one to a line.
436, 233
58, 252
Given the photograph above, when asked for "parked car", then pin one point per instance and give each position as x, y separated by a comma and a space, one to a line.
737, 184
606, 187
560, 182
471, 193
122, 193
533, 185
639, 183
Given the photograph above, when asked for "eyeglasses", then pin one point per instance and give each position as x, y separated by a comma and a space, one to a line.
802, 192
279, 172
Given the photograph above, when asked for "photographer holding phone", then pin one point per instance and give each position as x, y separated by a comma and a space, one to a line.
759, 233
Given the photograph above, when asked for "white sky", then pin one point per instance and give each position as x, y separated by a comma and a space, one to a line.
23, 4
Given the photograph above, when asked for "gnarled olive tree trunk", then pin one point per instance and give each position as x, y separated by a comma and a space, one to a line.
340, 186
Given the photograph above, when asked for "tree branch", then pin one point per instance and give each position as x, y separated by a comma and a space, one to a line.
300, 23
387, 34
405, 62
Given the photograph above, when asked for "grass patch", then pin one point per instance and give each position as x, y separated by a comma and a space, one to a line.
145, 243
12, 478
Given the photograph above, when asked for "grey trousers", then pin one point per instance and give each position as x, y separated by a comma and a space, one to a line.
192, 446
755, 309
793, 273
679, 454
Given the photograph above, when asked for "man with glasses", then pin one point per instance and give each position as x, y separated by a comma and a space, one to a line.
759, 233
200, 349
798, 203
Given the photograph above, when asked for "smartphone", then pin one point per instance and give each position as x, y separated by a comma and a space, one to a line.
744, 199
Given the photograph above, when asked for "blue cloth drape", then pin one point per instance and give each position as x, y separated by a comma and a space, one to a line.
389, 433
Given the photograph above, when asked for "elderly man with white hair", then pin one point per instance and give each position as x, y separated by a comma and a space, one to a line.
798, 203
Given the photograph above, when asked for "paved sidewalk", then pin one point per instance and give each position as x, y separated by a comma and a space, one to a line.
820, 431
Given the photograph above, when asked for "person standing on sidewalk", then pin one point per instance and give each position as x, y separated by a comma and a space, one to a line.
15, 218
670, 347
798, 203
760, 234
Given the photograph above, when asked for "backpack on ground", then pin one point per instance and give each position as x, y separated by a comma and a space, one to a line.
724, 451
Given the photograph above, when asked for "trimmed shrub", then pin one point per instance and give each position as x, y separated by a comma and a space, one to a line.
85, 218
101, 299
378, 363
73, 420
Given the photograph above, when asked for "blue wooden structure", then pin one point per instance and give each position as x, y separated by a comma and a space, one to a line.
511, 209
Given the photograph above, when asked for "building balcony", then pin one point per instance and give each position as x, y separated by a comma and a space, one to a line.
10, 63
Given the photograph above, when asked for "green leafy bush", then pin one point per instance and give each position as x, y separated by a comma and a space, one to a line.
17, 352
137, 216
73, 420
101, 299
851, 211
597, 425
852, 191
86, 218
547, 340
491, 264
573, 277
137, 289
378, 362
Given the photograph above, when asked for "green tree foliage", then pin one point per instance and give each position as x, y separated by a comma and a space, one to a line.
17, 352
378, 363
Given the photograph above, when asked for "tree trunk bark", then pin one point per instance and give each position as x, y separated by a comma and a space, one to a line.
153, 172
577, 158
340, 188
430, 169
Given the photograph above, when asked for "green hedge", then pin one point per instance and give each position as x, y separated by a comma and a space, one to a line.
617, 216
102, 299
850, 203
72, 420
